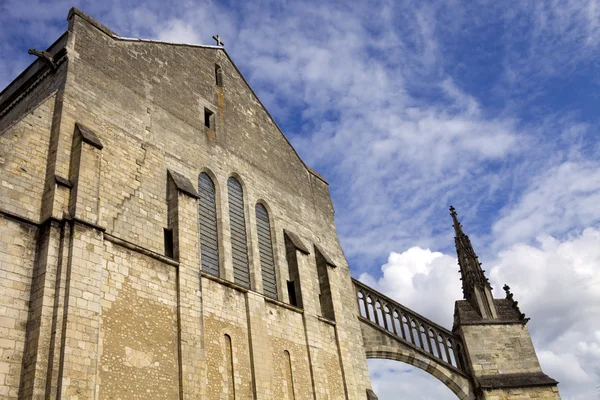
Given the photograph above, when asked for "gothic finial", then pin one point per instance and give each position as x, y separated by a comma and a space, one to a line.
515, 304
472, 276
470, 267
45, 56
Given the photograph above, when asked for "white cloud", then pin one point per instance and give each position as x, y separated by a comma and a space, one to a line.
425, 281
557, 284
178, 31
564, 197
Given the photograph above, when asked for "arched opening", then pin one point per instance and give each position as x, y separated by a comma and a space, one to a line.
393, 380
402, 373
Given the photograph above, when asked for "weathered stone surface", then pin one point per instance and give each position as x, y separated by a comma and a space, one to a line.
89, 136
518, 380
102, 293
92, 145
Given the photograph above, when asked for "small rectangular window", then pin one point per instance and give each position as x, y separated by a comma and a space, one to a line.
218, 75
168, 242
292, 293
209, 119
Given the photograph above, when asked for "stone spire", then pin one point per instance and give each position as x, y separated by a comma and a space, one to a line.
476, 287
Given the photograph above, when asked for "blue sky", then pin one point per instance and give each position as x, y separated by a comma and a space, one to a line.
407, 107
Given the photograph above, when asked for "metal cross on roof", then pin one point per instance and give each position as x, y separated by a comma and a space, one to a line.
218, 39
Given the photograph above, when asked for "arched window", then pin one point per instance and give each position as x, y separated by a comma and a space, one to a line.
237, 223
207, 211
265, 245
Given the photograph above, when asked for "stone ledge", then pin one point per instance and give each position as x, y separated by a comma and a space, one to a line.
298, 244
325, 256
141, 250
465, 314
89, 136
224, 282
282, 304
183, 184
326, 320
85, 223
507, 381
19, 218
62, 181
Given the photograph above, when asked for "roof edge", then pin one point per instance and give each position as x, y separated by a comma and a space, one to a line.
309, 169
203, 46
75, 11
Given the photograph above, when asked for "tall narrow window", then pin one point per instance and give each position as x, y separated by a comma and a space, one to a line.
209, 119
207, 211
168, 235
265, 245
237, 223
292, 293
218, 75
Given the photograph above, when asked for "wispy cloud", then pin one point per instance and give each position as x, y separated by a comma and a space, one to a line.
408, 107
564, 198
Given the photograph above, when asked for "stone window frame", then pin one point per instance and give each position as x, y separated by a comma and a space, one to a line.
218, 216
272, 243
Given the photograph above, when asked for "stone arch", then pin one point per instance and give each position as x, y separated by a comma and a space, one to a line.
379, 345
241, 181
215, 179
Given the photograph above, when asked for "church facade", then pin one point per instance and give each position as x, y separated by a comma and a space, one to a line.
111, 149
161, 239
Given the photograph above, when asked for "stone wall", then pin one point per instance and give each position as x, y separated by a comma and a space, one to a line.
138, 352
149, 117
25, 131
543, 393
500, 349
224, 310
504, 364
17, 253
93, 308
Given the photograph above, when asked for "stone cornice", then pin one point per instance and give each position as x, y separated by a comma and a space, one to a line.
520, 380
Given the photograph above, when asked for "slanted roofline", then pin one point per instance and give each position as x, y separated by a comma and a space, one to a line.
31, 76
109, 32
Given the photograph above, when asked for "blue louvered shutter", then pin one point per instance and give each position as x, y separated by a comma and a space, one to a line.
237, 223
207, 212
265, 246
